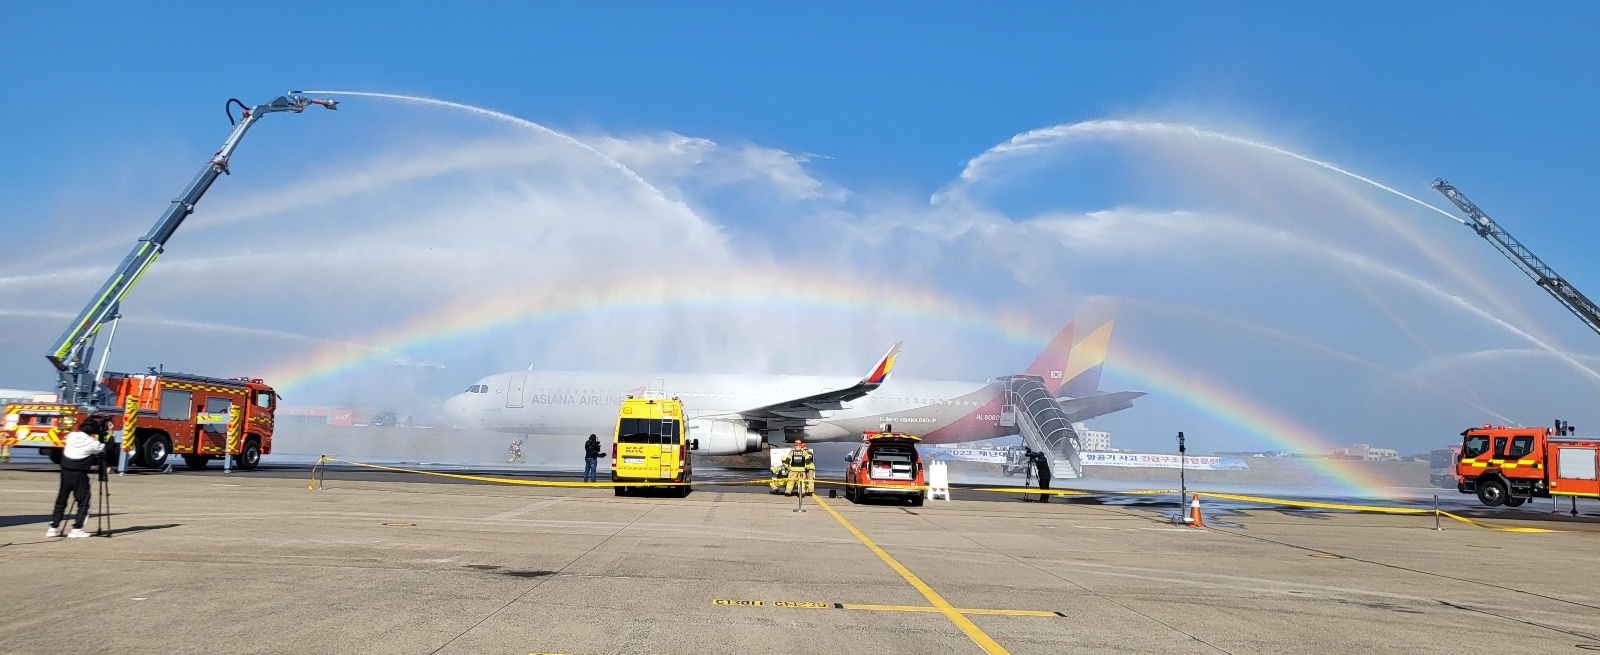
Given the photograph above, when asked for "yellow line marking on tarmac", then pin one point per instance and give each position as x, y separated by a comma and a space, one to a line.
917, 608
819, 605
977, 635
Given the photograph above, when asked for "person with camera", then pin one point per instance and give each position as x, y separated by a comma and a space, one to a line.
591, 459
1041, 469
83, 450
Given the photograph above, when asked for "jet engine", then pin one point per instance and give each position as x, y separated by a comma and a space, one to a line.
719, 437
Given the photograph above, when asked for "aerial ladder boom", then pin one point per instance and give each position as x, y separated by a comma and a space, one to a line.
1535, 268
74, 350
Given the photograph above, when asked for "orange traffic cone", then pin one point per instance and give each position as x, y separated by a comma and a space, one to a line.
1195, 520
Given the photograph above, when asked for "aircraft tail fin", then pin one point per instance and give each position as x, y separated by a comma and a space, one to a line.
1071, 363
880, 371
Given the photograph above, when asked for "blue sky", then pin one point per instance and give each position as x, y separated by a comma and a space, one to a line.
1498, 98
829, 127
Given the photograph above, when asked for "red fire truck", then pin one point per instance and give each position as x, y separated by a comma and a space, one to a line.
161, 413
197, 418
1509, 466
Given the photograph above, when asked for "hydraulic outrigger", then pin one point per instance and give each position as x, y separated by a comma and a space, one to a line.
79, 384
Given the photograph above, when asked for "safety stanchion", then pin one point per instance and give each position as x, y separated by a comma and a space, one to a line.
319, 474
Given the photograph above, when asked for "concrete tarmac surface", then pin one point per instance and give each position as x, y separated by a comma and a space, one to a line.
256, 564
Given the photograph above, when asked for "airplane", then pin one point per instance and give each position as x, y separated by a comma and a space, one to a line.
732, 414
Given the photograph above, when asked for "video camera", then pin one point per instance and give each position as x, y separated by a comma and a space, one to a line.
96, 427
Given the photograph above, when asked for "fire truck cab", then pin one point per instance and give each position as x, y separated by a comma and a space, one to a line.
162, 414
1509, 466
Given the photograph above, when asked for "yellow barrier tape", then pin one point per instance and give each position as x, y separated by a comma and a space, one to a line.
1069, 492
608, 483
1363, 508
1018, 490
533, 483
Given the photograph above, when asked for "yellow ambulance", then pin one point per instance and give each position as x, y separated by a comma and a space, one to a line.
649, 446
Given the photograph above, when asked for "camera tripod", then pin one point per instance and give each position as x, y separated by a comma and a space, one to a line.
102, 521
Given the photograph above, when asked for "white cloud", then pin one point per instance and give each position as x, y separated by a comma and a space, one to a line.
442, 217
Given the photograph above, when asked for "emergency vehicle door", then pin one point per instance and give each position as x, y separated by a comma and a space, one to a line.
669, 452
211, 427
175, 407
1576, 468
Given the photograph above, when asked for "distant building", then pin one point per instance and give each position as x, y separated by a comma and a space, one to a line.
1365, 452
25, 396
1093, 441
336, 416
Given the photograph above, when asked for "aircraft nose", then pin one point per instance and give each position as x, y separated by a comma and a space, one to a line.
456, 408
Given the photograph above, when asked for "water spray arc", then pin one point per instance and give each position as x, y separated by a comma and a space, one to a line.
1358, 262
525, 123
1036, 139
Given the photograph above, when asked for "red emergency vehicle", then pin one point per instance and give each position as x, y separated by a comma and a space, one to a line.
1509, 466
886, 464
162, 414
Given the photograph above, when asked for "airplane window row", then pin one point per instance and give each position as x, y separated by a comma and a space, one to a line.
484, 388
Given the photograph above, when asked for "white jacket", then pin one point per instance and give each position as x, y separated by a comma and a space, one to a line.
80, 445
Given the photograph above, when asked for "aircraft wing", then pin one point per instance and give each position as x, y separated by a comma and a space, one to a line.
1088, 407
794, 413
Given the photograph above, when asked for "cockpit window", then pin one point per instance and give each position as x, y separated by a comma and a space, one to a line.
477, 388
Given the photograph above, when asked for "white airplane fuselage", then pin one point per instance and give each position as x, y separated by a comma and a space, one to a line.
583, 403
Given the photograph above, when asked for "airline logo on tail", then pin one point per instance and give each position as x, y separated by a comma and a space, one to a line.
1071, 363
880, 373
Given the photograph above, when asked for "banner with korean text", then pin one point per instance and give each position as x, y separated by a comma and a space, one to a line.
1143, 460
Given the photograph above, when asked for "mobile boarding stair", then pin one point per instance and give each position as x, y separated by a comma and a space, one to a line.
1033, 410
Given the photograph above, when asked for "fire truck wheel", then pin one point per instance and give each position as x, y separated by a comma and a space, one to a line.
916, 502
196, 462
1491, 492
619, 490
1515, 501
850, 494
155, 451
249, 456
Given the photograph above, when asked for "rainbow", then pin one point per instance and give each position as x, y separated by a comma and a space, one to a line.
762, 289
746, 289
1159, 377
